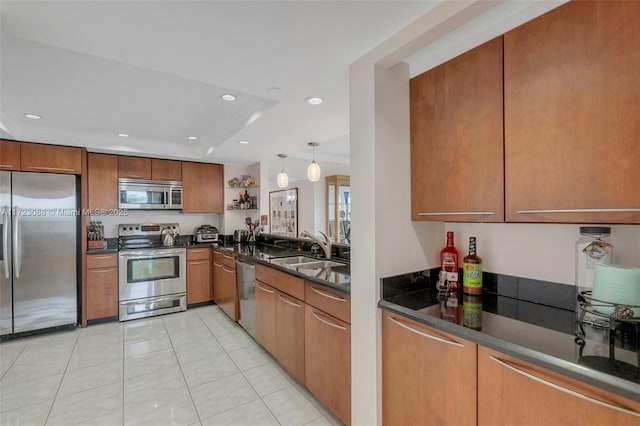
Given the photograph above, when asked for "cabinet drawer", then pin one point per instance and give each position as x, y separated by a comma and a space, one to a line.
225, 258
50, 158
95, 261
281, 280
331, 302
198, 253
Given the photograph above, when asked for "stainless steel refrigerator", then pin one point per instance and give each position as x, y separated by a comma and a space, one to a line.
39, 275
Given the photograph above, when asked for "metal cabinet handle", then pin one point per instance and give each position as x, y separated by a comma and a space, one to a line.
102, 271
327, 322
580, 211
228, 257
428, 336
328, 296
217, 264
192, 262
104, 256
5, 240
53, 169
197, 250
264, 289
16, 245
563, 389
454, 213
289, 302
135, 177
6, 166
228, 270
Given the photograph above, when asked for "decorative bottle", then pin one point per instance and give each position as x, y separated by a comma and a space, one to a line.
449, 264
472, 270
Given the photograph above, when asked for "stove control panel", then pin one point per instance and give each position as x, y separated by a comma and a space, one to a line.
146, 229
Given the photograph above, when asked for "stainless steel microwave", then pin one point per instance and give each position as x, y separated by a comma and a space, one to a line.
149, 194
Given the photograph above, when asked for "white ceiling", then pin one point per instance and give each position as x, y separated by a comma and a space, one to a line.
156, 70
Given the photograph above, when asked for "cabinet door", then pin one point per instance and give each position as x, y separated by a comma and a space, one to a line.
513, 392
166, 169
202, 188
36, 157
9, 155
333, 303
134, 167
571, 92
266, 317
327, 361
198, 276
217, 293
428, 377
457, 139
102, 171
102, 293
229, 302
290, 335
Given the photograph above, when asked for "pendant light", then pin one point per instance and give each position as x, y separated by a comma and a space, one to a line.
283, 179
313, 171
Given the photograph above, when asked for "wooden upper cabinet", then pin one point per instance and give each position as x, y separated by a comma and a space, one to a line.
166, 169
514, 392
9, 155
134, 167
202, 188
571, 91
102, 171
457, 138
36, 157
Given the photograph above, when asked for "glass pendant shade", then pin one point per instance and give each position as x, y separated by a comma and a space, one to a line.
313, 171
283, 180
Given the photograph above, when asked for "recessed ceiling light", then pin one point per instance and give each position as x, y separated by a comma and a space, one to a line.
123, 135
228, 97
314, 101
243, 142
192, 138
33, 116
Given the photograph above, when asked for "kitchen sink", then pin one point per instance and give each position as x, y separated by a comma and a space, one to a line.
304, 262
320, 264
292, 260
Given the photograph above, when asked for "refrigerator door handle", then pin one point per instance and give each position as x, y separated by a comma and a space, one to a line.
16, 245
5, 240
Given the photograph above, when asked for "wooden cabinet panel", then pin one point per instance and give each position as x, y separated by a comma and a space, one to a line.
102, 179
333, 303
281, 281
508, 395
290, 335
9, 155
134, 167
202, 188
457, 138
266, 317
428, 377
571, 92
36, 157
229, 303
198, 276
166, 169
217, 285
328, 361
102, 286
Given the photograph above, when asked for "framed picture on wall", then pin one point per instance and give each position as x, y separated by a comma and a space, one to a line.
283, 212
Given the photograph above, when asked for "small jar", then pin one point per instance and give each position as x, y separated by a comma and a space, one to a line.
594, 246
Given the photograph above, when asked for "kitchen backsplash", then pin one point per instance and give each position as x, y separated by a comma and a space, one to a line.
188, 222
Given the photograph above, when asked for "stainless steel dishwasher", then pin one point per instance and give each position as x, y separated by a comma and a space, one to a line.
246, 280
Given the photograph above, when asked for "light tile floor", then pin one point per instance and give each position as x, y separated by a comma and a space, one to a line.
191, 368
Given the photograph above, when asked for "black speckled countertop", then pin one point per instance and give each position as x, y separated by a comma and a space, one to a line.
506, 320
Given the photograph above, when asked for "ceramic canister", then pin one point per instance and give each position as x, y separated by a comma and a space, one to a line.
616, 284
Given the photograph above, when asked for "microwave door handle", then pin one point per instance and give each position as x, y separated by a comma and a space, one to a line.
167, 198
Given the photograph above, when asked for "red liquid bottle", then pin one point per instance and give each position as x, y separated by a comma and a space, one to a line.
449, 264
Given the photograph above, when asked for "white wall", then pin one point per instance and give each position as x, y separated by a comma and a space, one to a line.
188, 221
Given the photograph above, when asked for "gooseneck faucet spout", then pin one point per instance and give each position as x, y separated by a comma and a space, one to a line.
325, 245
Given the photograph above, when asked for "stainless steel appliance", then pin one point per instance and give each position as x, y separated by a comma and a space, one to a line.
245, 279
152, 278
149, 194
39, 275
206, 234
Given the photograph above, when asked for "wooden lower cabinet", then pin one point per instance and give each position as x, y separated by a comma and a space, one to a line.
102, 286
225, 289
514, 392
327, 342
290, 335
198, 275
428, 377
266, 317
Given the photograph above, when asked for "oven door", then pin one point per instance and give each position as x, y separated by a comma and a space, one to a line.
151, 273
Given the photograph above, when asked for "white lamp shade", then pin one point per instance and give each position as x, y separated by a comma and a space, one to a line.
283, 180
313, 171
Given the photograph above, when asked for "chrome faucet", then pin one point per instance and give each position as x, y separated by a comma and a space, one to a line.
325, 245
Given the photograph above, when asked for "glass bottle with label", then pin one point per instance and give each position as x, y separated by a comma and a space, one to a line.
472, 270
449, 264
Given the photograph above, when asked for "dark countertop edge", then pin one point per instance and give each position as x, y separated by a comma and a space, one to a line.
592, 377
337, 287
102, 251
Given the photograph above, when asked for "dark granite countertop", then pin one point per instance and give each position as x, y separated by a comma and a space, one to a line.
548, 336
337, 277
